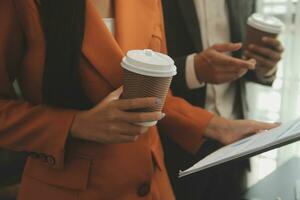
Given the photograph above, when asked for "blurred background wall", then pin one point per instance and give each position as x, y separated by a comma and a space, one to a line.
280, 103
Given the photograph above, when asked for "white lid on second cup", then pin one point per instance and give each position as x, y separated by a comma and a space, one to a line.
266, 23
149, 63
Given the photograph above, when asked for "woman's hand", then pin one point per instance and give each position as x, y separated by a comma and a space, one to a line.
110, 123
229, 131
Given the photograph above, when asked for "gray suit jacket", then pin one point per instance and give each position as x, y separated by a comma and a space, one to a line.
183, 39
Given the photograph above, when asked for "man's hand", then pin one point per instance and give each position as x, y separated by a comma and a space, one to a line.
214, 66
266, 56
229, 131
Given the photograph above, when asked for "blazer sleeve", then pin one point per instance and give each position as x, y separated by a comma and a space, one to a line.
36, 129
184, 123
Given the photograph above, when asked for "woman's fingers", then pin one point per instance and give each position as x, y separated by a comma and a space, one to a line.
136, 117
256, 126
246, 128
240, 129
128, 132
115, 95
131, 104
129, 129
110, 122
123, 139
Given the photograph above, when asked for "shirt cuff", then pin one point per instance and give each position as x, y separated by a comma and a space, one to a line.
269, 77
190, 74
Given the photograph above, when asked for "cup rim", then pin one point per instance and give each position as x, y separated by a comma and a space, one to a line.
147, 72
134, 62
255, 21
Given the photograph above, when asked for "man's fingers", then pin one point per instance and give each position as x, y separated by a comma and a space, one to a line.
266, 52
228, 61
227, 47
130, 104
274, 43
261, 61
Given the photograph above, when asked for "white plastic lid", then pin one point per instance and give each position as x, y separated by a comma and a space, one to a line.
149, 63
266, 23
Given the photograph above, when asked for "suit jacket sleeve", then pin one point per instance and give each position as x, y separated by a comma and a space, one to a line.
179, 82
184, 123
251, 76
186, 85
24, 126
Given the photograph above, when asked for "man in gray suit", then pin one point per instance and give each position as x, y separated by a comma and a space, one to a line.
203, 37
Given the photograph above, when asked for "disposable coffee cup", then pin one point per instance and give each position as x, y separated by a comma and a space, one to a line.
147, 74
261, 25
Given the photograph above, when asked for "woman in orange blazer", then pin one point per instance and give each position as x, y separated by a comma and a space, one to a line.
81, 139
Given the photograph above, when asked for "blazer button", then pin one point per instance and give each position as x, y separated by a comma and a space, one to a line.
51, 160
144, 190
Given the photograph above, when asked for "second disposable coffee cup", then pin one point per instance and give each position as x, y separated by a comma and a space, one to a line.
261, 25
147, 74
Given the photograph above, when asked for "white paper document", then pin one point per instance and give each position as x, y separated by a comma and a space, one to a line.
250, 146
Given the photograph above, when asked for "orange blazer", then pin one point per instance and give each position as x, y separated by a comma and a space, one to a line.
63, 168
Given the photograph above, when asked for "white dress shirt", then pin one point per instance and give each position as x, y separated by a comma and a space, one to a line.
215, 28
110, 24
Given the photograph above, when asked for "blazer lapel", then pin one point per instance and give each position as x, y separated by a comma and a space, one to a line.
134, 23
189, 14
100, 47
133, 31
